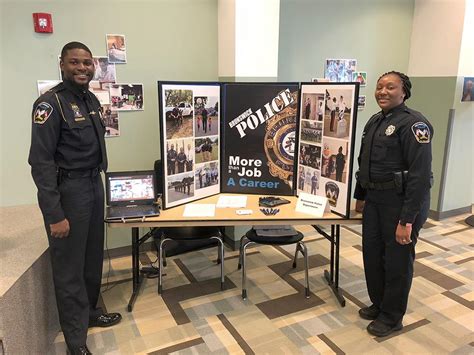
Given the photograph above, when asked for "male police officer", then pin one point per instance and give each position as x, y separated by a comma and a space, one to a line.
394, 180
66, 156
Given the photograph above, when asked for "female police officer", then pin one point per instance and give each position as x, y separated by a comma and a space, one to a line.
66, 156
393, 190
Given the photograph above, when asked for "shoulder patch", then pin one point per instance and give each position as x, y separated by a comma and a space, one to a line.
421, 131
42, 112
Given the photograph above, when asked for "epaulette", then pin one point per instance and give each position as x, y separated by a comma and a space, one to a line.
57, 88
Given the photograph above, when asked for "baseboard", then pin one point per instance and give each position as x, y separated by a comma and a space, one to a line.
451, 213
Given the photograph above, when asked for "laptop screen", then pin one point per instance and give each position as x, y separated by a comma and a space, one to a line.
125, 188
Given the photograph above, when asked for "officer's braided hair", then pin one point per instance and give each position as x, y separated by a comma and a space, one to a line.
406, 83
74, 45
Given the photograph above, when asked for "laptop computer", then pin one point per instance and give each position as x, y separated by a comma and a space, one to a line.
130, 194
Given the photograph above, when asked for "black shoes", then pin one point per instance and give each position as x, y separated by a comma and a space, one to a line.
369, 313
380, 329
105, 320
80, 350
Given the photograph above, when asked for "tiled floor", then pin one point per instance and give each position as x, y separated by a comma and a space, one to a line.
195, 317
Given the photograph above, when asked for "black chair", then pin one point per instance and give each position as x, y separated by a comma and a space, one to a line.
188, 234
251, 238
183, 239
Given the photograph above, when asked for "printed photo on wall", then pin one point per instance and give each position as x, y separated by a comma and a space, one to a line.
360, 77
338, 113
116, 49
206, 112
126, 97
310, 155
101, 91
111, 121
179, 112
189, 123
104, 71
45, 85
340, 70
361, 102
468, 89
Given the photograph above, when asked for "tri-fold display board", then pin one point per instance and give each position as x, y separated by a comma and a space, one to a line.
268, 139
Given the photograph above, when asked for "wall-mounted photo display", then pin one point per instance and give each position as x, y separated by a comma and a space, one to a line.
258, 137
101, 91
361, 102
126, 97
340, 70
360, 77
190, 140
468, 89
325, 147
104, 71
111, 121
45, 85
116, 49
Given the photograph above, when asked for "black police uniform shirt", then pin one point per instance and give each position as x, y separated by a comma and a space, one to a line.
399, 140
67, 133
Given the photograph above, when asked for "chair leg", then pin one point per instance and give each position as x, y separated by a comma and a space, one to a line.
304, 251
240, 252
296, 255
160, 270
221, 257
244, 275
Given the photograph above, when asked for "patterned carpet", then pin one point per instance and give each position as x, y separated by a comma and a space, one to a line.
195, 317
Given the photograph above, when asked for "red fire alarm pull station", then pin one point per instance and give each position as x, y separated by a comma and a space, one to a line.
43, 22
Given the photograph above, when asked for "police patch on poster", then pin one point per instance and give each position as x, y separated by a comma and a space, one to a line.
258, 138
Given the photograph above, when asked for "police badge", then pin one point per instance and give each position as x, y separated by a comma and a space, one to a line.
390, 129
77, 113
280, 142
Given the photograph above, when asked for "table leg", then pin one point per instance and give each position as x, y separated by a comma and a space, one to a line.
136, 279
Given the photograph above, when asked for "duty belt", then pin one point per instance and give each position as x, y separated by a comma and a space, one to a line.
77, 174
378, 185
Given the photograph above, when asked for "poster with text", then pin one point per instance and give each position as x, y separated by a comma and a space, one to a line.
327, 124
258, 138
190, 143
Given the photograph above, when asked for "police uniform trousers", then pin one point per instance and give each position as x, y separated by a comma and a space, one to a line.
388, 265
77, 259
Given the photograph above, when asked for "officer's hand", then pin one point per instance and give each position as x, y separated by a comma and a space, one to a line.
403, 234
60, 229
360, 206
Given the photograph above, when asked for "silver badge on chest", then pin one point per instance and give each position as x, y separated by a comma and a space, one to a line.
390, 129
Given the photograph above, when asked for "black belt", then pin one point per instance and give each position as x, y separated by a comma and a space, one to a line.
77, 174
378, 185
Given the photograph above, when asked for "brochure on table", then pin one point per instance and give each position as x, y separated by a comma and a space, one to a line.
190, 128
327, 122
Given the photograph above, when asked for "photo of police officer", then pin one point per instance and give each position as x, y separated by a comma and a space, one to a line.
207, 149
111, 121
206, 121
180, 187
66, 168
206, 175
393, 195
334, 155
310, 155
179, 156
311, 106
311, 131
179, 113
338, 112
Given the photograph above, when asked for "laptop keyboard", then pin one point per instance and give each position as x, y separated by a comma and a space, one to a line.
123, 211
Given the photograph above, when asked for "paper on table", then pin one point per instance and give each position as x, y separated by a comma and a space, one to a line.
232, 201
199, 210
